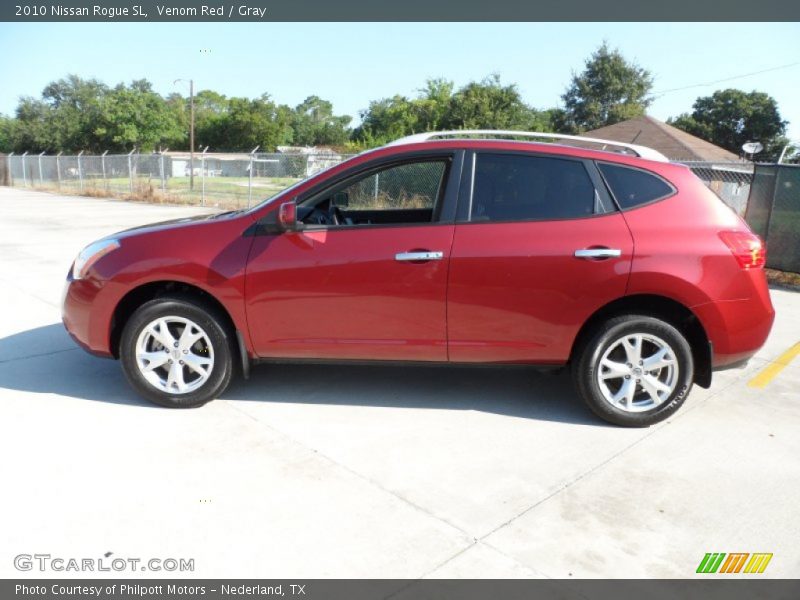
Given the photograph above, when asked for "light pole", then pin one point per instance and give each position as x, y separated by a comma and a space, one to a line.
191, 131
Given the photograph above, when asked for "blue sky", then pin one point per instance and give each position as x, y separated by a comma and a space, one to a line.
353, 63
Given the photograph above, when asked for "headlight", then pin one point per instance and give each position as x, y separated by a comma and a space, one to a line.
91, 254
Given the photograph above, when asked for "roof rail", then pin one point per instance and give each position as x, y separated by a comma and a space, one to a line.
641, 151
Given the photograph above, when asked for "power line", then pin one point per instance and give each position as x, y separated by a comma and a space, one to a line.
696, 85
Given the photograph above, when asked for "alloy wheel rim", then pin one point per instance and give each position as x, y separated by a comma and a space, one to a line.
174, 355
637, 372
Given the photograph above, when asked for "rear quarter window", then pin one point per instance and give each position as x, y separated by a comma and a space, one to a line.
634, 187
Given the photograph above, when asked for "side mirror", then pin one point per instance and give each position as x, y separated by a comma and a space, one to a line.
287, 216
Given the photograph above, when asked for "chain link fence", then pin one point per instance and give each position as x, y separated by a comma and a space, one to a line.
730, 181
773, 212
232, 180
226, 180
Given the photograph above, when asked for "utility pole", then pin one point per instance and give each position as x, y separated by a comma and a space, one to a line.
191, 130
191, 134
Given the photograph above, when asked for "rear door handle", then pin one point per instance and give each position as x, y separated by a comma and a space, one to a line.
418, 256
598, 253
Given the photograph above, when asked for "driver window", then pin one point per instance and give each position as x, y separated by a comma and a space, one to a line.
406, 193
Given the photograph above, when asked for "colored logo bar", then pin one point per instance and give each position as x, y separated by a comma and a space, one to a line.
734, 562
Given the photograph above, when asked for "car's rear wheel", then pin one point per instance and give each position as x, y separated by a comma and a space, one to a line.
175, 352
634, 370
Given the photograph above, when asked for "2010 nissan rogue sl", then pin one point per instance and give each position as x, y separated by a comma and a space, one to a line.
446, 247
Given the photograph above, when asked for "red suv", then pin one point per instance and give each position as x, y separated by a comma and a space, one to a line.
443, 248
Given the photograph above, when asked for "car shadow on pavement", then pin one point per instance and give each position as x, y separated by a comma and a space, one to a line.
45, 360
512, 391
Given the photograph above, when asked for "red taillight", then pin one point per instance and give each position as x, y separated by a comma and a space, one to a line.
748, 249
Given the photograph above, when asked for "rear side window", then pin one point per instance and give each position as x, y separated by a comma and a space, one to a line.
633, 187
514, 187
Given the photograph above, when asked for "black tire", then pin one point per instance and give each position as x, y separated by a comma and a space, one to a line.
587, 362
211, 323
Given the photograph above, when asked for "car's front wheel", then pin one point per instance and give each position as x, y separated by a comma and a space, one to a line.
175, 352
634, 370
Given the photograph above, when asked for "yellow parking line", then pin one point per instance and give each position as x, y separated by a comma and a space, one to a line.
769, 372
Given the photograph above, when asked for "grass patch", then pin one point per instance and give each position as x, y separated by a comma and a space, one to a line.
784, 279
218, 192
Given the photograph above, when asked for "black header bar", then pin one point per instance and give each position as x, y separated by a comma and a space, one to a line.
402, 10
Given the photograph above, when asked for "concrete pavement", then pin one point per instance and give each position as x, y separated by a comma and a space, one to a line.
381, 472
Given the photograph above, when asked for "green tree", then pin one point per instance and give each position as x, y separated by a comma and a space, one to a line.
210, 110
31, 129
609, 90
61, 119
729, 118
486, 104
558, 120
74, 105
134, 116
433, 105
489, 104
6, 142
385, 120
314, 124
250, 123
76, 114
178, 107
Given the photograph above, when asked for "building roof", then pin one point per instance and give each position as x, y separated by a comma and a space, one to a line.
674, 143
306, 150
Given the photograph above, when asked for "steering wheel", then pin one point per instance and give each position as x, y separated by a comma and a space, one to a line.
316, 217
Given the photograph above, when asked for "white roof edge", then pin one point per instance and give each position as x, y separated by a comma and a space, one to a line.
641, 151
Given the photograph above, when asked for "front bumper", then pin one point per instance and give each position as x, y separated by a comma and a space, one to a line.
84, 317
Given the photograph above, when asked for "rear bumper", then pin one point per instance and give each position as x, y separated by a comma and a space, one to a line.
737, 329
734, 365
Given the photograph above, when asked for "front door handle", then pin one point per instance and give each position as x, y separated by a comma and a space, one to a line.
598, 253
418, 256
